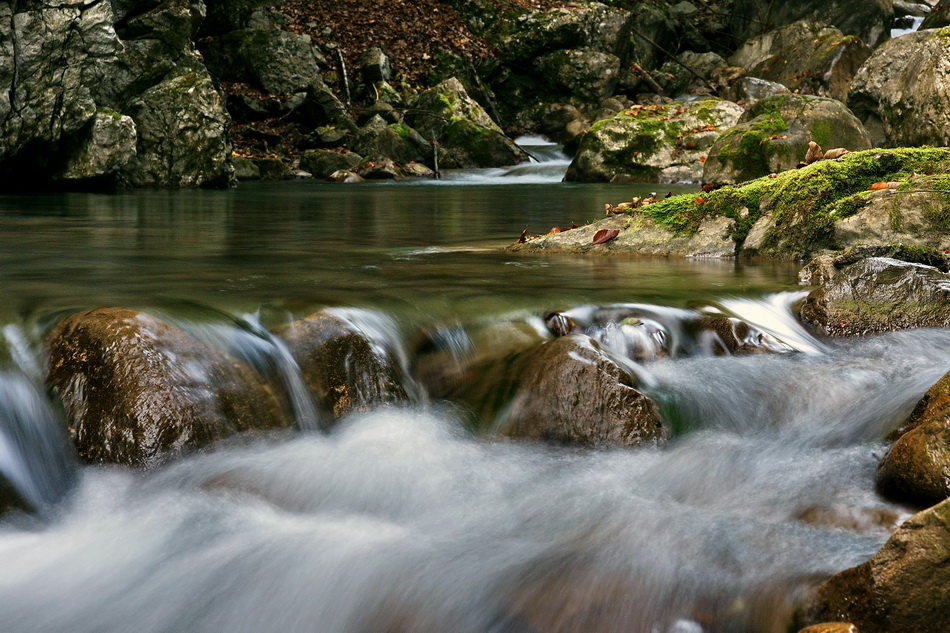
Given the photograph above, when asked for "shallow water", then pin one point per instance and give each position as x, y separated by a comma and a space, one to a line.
400, 519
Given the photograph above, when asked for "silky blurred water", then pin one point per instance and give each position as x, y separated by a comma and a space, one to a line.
400, 520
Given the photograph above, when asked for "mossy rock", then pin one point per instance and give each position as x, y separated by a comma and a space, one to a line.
323, 162
665, 143
773, 136
794, 214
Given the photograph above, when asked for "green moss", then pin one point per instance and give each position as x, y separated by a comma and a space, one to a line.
944, 32
821, 132
804, 203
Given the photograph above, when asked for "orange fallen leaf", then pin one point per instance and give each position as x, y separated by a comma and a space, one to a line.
604, 235
882, 185
702, 160
698, 200
556, 229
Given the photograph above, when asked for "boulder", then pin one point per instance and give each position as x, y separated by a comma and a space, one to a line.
107, 147
447, 115
379, 168
661, 143
751, 90
815, 59
225, 16
137, 390
584, 74
182, 127
868, 19
902, 93
901, 588
763, 47
874, 294
773, 135
374, 65
321, 108
916, 468
245, 169
323, 162
676, 80
43, 100
273, 169
567, 390
274, 61
396, 141
343, 368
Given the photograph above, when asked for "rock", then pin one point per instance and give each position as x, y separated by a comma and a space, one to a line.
765, 46
225, 16
374, 66
108, 146
43, 100
273, 169
182, 129
868, 19
585, 74
462, 128
326, 138
555, 118
664, 143
773, 135
321, 108
323, 162
379, 168
752, 90
901, 588
137, 390
816, 60
245, 169
566, 390
417, 170
916, 468
345, 175
380, 109
639, 233
246, 109
274, 61
901, 93
875, 294
676, 80
396, 141
344, 369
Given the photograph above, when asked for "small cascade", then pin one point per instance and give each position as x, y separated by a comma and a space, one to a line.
36, 461
908, 24
774, 315
548, 164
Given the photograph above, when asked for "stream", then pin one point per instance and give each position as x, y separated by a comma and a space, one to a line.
401, 520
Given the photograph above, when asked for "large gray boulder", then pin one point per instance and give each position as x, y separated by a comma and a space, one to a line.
137, 390
901, 588
585, 74
773, 135
271, 60
447, 115
182, 126
902, 92
868, 19
397, 141
95, 117
664, 143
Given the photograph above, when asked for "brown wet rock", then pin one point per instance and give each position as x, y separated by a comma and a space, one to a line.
901, 588
566, 390
916, 468
136, 389
341, 367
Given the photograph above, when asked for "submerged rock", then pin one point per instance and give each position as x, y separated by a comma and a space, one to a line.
663, 143
137, 390
875, 294
344, 369
566, 390
901, 588
902, 93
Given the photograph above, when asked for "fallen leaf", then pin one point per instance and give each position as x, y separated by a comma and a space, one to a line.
555, 229
702, 160
882, 185
523, 238
605, 235
698, 200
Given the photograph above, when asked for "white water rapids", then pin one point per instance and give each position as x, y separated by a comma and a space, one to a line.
401, 521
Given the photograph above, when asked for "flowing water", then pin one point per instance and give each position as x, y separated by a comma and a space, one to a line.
399, 520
